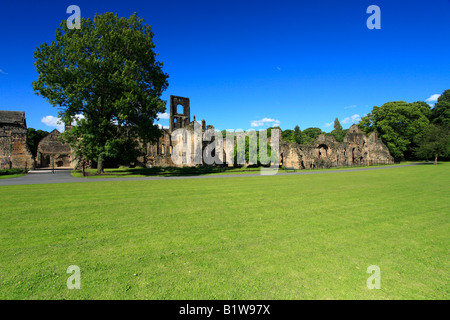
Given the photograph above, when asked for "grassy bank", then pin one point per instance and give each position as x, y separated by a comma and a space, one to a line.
275, 237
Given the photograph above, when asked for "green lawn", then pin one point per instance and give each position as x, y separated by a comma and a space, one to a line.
8, 176
263, 237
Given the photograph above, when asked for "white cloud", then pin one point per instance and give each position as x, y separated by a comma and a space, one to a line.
353, 119
434, 97
2, 72
77, 118
164, 115
266, 121
53, 122
350, 107
328, 124
278, 68
163, 127
57, 123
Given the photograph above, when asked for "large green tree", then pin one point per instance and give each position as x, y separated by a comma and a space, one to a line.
433, 142
108, 72
397, 123
440, 114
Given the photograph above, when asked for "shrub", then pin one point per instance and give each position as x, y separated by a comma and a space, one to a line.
5, 172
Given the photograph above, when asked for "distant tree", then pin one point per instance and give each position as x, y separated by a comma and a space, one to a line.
433, 142
337, 125
310, 135
107, 71
397, 123
298, 135
224, 133
33, 138
338, 133
440, 114
288, 135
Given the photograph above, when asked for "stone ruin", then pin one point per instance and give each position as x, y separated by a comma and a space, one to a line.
356, 149
53, 153
159, 153
14, 149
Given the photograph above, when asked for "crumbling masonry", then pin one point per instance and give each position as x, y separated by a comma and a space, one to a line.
357, 148
14, 150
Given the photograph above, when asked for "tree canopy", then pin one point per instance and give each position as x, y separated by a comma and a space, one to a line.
433, 142
310, 135
338, 133
107, 72
337, 125
397, 124
298, 137
440, 114
288, 135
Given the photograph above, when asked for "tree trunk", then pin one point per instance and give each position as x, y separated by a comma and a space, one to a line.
435, 159
100, 165
84, 169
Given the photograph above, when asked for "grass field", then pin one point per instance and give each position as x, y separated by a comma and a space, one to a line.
272, 237
9, 176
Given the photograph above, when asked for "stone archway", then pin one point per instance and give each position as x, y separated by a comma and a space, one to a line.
323, 151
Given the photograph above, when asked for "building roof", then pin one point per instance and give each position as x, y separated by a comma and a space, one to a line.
12, 117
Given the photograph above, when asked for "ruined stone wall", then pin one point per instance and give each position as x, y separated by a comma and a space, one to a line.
158, 153
356, 149
53, 152
14, 150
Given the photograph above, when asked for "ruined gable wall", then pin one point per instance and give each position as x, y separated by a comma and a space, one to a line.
52, 151
14, 150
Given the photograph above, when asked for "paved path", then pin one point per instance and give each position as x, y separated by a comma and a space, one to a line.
64, 176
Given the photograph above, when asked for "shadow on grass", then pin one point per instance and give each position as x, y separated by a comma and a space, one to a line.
169, 171
195, 171
430, 162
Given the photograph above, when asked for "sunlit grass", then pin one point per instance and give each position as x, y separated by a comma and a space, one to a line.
273, 237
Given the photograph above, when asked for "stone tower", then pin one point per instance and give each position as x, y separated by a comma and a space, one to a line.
180, 113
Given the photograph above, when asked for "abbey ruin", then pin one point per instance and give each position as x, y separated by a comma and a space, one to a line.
357, 148
14, 150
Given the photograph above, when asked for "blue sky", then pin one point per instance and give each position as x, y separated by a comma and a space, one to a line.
251, 64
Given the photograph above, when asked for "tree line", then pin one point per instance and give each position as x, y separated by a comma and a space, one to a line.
410, 130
